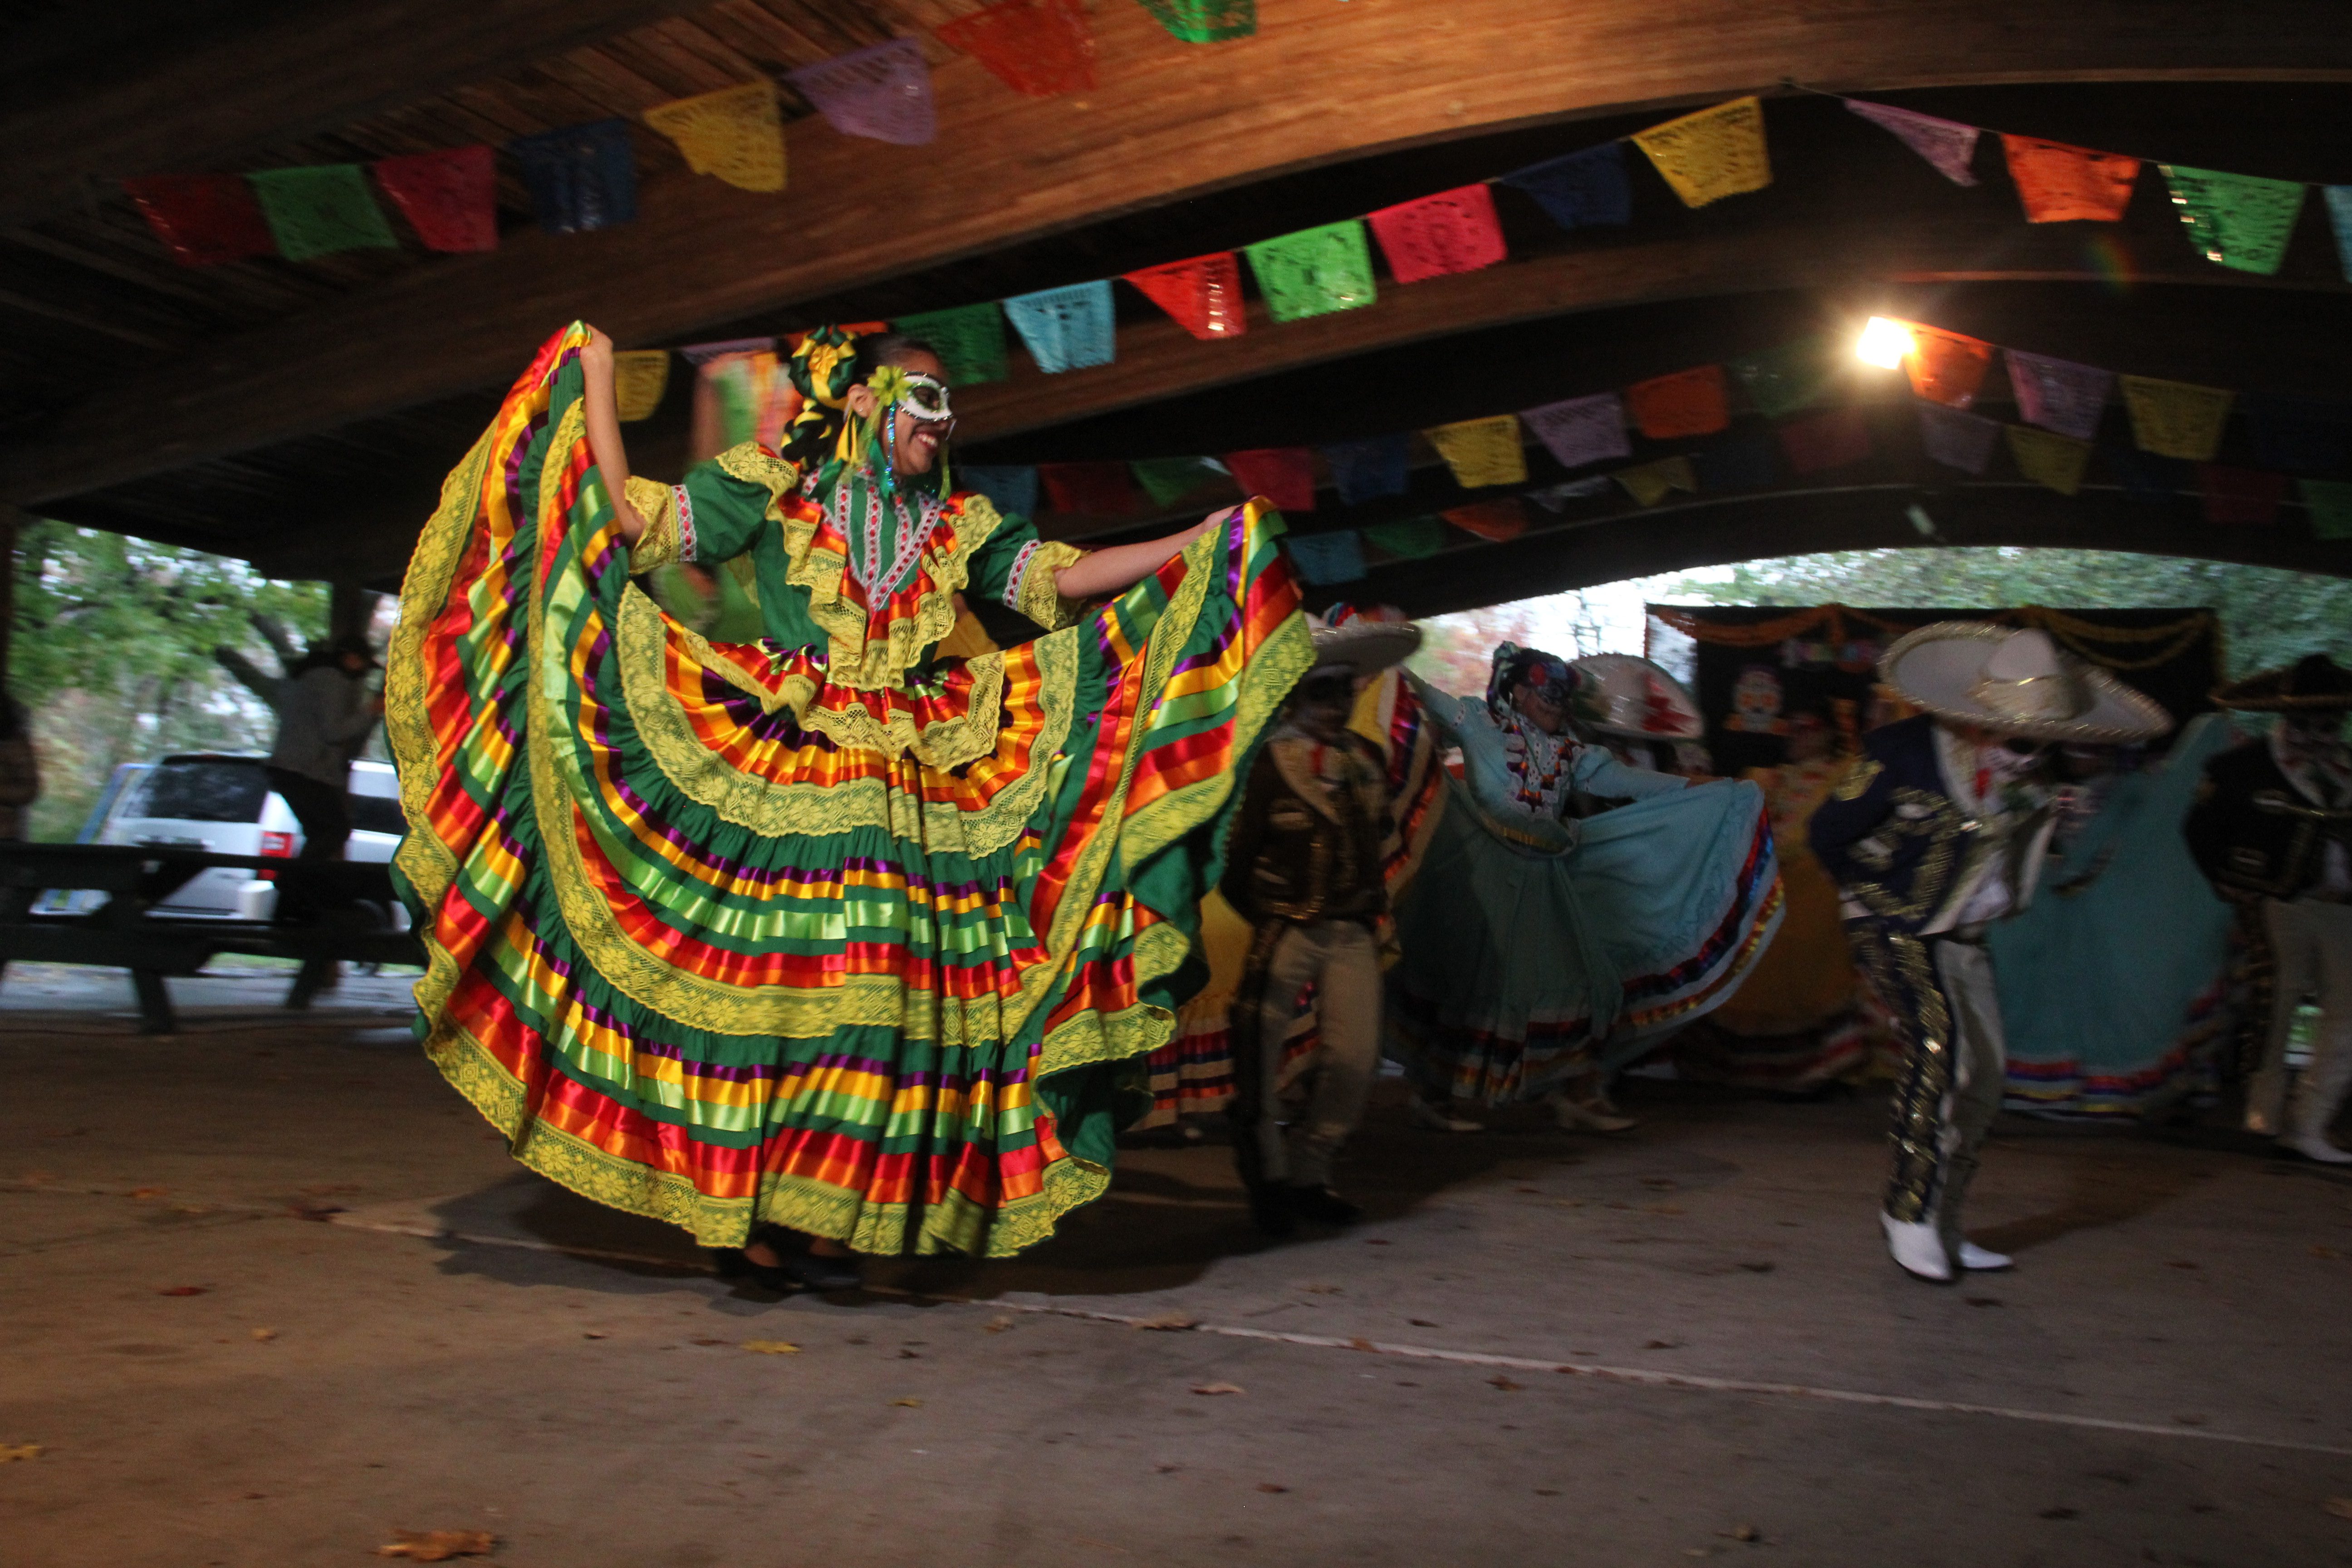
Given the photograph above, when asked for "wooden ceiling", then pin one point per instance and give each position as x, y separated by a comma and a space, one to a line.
300, 415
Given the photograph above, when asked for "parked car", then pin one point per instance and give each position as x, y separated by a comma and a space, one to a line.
224, 804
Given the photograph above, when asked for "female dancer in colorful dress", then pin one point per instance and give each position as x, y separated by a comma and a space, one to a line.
1542, 951
813, 938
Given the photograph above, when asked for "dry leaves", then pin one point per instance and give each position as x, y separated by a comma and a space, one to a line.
184, 1291
2341, 1507
1218, 1388
263, 1336
907, 1404
771, 1347
1742, 1533
147, 1192
1270, 1487
996, 1326
1505, 1383
12, 1452
1166, 1322
438, 1546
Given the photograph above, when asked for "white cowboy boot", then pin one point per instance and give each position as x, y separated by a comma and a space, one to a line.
1917, 1247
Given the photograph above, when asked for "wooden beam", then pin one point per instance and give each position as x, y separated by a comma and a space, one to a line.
1716, 532
209, 101
1319, 83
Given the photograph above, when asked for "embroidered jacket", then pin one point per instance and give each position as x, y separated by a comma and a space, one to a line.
1303, 850
1896, 835
2245, 849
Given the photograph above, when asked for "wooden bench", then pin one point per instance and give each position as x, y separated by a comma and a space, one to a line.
129, 932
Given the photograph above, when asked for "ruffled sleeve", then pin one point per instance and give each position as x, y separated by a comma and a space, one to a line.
1017, 569
656, 503
722, 502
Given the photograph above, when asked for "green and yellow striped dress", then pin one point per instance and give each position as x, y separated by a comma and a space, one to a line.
812, 930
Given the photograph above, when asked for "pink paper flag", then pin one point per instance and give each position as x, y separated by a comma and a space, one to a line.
883, 92
1582, 429
2059, 395
1958, 440
1947, 144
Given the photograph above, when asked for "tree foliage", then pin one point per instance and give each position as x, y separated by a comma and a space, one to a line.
111, 655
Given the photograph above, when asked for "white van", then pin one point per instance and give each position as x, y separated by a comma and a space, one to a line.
224, 804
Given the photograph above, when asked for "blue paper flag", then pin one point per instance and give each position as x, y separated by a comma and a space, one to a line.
1581, 189
1743, 465
1066, 328
1327, 558
2300, 435
2339, 214
2146, 476
1367, 470
581, 176
1014, 490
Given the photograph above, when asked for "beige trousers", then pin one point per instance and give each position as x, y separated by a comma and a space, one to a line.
1341, 960
2311, 943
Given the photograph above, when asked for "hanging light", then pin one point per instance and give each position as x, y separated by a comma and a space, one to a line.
1884, 343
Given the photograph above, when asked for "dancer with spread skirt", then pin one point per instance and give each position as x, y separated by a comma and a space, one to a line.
818, 941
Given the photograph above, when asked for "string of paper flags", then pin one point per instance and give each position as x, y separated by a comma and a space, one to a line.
2061, 406
583, 177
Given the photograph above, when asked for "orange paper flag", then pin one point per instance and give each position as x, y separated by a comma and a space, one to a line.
2059, 184
1687, 403
1946, 367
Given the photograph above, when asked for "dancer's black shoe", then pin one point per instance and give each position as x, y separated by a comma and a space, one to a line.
1324, 1207
1270, 1209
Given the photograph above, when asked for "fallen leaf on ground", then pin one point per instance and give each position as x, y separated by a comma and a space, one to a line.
1361, 1343
1547, 1492
910, 1355
191, 1208
1661, 1182
1537, 1190
265, 1335
1376, 1241
1984, 1300
1166, 1469
1322, 1290
1217, 1388
2180, 1263
438, 1546
1663, 1345
2190, 1420
908, 1403
184, 1291
1758, 1267
309, 1208
12, 1452
1742, 1533
1568, 1203
1661, 1208
147, 1192
996, 1325
593, 1334
1421, 1322
1270, 1487
2062, 1513
1505, 1383
706, 1341
1166, 1322
2341, 1507
2325, 1252
771, 1347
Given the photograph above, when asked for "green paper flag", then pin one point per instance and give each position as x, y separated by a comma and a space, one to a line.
969, 338
1315, 272
1417, 537
319, 209
1205, 21
2330, 502
1168, 480
1783, 380
2236, 220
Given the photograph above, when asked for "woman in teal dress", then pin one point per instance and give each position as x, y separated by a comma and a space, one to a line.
1541, 951
2113, 981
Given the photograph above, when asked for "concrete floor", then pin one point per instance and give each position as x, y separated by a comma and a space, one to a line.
1539, 1349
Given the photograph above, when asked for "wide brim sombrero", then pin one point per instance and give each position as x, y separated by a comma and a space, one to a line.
1625, 694
1942, 670
1365, 647
2313, 684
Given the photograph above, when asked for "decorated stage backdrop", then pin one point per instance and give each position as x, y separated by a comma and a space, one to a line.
1757, 668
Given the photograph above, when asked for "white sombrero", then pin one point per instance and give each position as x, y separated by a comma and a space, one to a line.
1625, 694
2018, 682
1363, 646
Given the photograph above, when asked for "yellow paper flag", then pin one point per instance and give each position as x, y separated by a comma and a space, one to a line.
734, 133
2176, 418
1649, 483
1716, 153
2049, 458
639, 379
1482, 451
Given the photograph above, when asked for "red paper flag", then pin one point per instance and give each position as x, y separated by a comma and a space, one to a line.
2059, 184
1946, 367
1490, 520
1035, 46
1282, 475
1204, 294
1097, 490
202, 219
449, 198
1687, 403
1827, 440
1453, 231
2240, 495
